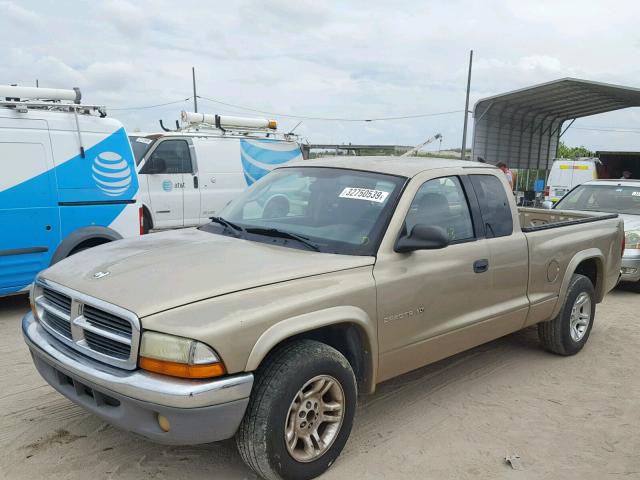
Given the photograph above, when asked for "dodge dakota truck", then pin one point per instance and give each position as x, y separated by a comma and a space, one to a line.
323, 279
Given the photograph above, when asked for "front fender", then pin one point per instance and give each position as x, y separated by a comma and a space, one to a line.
290, 327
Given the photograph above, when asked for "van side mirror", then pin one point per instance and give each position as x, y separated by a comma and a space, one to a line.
547, 204
422, 237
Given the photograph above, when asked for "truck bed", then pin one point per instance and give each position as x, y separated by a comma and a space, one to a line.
534, 219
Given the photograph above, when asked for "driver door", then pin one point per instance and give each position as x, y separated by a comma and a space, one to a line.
425, 295
165, 171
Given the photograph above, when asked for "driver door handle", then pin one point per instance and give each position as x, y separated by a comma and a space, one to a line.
481, 266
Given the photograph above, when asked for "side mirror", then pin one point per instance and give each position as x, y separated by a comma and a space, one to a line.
547, 204
423, 237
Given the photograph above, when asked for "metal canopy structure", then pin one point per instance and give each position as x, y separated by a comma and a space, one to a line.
522, 128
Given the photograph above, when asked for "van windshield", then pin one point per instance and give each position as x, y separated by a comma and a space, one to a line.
140, 146
328, 209
603, 198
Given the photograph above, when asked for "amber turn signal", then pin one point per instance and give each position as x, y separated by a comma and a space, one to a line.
182, 370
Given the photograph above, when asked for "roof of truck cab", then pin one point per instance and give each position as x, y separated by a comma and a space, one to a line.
402, 166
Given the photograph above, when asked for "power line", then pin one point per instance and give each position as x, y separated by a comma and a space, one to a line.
328, 119
608, 129
153, 106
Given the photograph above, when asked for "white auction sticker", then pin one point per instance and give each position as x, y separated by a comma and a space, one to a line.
146, 141
364, 194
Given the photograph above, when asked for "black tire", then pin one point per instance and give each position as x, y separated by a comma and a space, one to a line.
261, 435
555, 335
147, 224
634, 286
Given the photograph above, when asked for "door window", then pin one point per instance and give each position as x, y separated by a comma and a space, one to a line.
441, 202
494, 205
171, 156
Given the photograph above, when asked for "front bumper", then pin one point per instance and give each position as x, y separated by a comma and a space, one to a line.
630, 269
199, 411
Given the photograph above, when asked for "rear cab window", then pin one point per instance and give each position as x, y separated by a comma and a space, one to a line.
494, 205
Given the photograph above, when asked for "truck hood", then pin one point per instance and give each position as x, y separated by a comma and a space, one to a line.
160, 271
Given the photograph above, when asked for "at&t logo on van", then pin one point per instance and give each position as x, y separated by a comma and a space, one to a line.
111, 173
167, 185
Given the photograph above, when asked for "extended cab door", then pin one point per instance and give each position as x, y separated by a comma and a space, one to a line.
426, 296
165, 170
508, 268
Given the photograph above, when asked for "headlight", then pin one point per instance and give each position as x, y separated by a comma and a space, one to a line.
178, 356
632, 239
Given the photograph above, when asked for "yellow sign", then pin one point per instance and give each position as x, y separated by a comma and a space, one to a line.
574, 167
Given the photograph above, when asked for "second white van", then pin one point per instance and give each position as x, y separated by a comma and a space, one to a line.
567, 173
187, 176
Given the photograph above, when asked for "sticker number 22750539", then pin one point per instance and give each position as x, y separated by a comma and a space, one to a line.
364, 194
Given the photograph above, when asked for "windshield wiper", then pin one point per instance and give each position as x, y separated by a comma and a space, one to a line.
227, 224
274, 232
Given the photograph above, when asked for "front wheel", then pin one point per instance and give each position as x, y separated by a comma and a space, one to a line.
568, 332
300, 412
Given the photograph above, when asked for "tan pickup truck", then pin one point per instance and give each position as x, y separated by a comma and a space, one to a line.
322, 280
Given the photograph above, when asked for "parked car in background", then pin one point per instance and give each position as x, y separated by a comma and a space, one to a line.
613, 196
68, 181
567, 173
266, 326
189, 175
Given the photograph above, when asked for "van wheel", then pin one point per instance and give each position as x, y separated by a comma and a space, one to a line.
300, 412
147, 223
569, 331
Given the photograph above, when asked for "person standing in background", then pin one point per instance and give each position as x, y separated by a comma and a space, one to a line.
503, 166
625, 175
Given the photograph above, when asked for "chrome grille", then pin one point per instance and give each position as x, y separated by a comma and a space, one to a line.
102, 319
60, 301
59, 324
105, 332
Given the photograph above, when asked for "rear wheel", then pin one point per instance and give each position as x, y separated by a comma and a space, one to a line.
300, 413
569, 331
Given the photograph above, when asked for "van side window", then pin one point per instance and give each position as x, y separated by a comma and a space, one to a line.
441, 202
171, 156
494, 205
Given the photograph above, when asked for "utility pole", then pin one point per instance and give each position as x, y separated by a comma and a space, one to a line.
195, 96
466, 109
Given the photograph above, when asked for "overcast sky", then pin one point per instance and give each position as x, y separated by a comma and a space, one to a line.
348, 59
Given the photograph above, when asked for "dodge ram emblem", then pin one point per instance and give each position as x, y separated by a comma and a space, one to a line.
100, 274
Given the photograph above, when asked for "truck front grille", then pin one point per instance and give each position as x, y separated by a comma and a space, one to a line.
59, 324
105, 332
58, 300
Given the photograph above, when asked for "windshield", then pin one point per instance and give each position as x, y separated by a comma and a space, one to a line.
603, 198
329, 209
140, 146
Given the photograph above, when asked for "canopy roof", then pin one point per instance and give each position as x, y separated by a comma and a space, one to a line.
522, 128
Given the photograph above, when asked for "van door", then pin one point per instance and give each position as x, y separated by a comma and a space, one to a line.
165, 170
192, 196
29, 220
219, 173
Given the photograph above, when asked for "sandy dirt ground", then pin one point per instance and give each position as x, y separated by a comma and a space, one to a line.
574, 418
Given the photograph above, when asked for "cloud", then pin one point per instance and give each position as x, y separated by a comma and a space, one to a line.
16, 14
331, 59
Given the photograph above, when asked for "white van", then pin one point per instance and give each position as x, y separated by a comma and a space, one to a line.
188, 175
68, 181
567, 173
